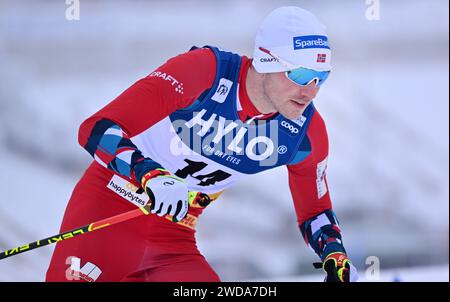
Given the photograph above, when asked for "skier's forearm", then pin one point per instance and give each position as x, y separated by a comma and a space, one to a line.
323, 234
110, 146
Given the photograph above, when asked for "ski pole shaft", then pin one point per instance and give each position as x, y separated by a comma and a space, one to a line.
197, 198
77, 232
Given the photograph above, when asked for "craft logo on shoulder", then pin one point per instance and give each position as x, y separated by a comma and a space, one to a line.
175, 83
305, 42
223, 89
127, 190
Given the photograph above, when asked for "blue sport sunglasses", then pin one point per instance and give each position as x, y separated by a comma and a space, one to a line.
304, 76
300, 75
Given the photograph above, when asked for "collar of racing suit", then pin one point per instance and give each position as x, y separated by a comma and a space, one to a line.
249, 110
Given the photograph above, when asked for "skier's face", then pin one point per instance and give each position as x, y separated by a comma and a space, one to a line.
286, 97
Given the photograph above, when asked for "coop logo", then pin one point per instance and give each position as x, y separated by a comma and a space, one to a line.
305, 42
167, 77
290, 127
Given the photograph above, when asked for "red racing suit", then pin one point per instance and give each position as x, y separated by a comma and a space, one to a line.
151, 248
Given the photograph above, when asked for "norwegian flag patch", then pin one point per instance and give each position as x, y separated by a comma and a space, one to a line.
321, 57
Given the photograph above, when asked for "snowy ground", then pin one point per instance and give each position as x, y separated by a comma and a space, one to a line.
36, 213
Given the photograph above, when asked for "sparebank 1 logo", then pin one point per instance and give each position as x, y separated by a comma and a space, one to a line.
311, 41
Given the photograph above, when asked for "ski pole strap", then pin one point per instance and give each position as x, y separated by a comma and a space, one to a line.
196, 200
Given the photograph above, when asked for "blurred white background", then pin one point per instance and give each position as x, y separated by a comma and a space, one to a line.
385, 105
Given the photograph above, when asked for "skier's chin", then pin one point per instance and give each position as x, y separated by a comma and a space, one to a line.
292, 114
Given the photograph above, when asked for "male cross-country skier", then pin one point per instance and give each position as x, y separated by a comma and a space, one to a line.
201, 122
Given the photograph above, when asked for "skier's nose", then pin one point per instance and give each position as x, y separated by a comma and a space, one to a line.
309, 91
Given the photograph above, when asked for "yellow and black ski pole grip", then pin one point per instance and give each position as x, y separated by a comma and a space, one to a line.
194, 197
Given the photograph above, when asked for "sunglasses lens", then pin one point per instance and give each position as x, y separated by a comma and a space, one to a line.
304, 76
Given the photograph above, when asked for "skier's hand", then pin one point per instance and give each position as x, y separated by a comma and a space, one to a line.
168, 194
338, 268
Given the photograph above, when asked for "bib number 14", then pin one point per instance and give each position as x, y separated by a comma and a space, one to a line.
194, 167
